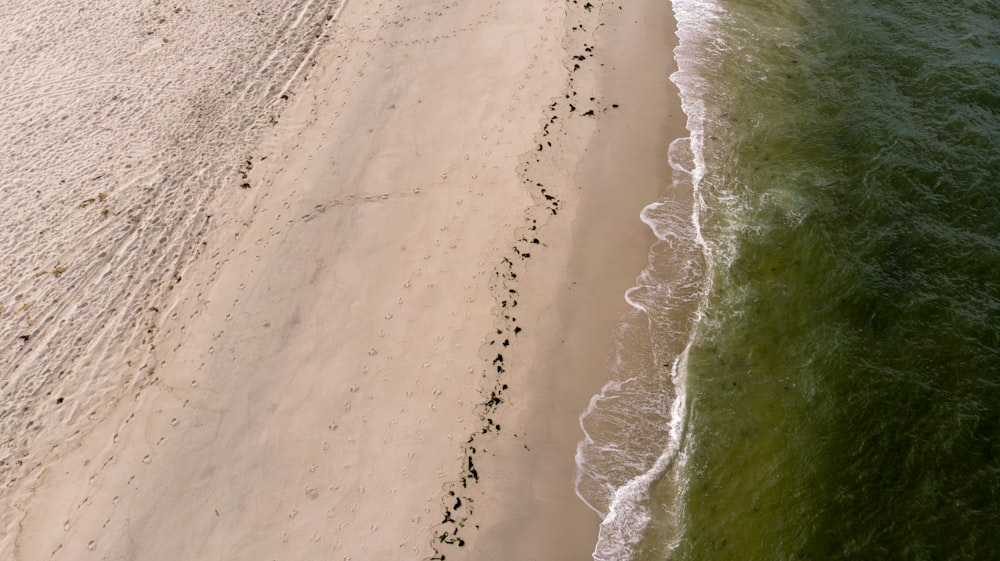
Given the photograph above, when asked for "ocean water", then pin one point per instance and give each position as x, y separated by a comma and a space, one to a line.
812, 369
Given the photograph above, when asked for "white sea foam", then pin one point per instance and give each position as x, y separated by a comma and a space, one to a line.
626, 521
635, 430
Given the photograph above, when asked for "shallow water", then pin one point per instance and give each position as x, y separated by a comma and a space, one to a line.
841, 395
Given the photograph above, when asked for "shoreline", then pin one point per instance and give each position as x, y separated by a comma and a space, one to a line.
323, 367
604, 248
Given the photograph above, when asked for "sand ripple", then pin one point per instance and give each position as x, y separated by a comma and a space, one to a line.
121, 122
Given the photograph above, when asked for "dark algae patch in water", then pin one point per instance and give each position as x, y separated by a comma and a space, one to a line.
845, 387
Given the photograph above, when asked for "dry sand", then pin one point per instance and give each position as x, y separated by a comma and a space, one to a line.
123, 124
382, 353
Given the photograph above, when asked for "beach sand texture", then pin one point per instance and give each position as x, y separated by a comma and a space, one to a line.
303, 280
122, 123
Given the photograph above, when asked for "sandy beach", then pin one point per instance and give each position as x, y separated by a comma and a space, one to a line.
382, 339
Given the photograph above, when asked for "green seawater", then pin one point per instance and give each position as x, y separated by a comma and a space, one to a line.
843, 385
